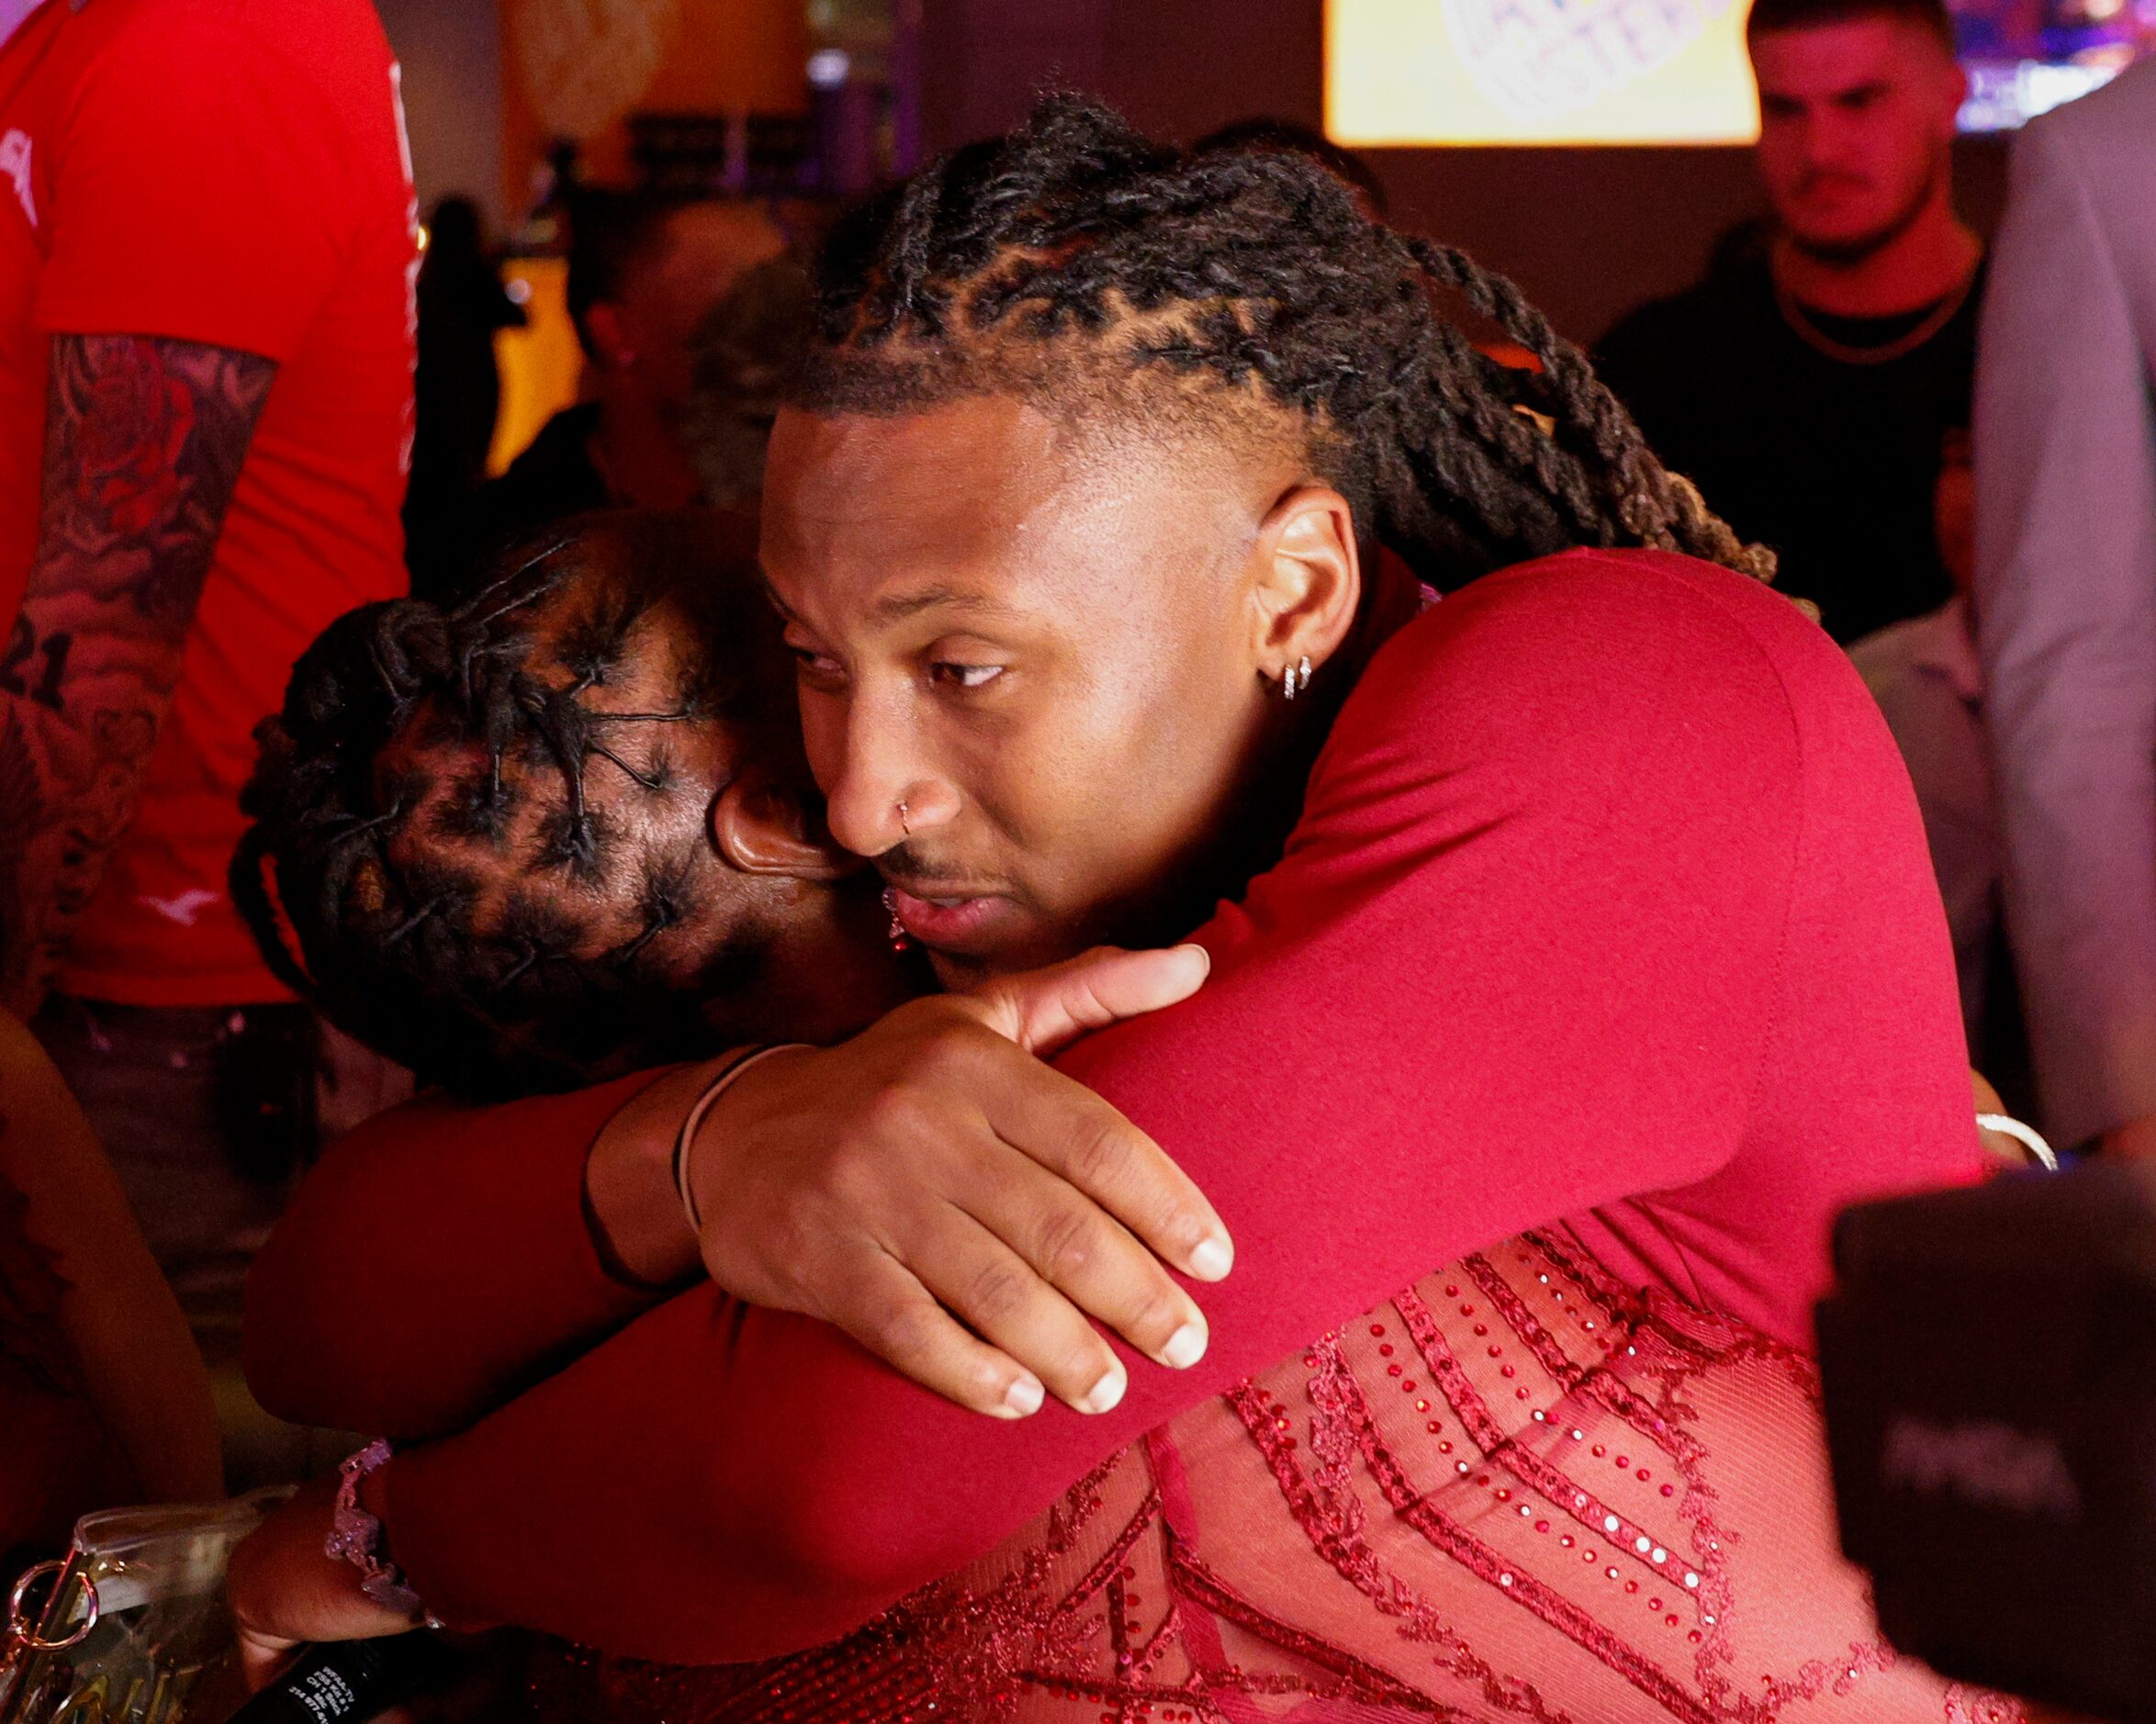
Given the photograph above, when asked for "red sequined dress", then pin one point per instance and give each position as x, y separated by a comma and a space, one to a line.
1516, 1491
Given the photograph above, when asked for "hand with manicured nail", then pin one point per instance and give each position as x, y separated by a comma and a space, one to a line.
959, 1208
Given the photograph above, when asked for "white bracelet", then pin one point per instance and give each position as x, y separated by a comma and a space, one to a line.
685, 1140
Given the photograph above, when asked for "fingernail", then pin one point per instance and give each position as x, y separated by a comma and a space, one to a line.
1105, 1393
1022, 1398
1204, 957
1211, 1258
1186, 1347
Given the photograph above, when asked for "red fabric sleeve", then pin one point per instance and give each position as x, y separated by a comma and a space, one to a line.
435, 1262
201, 192
1524, 956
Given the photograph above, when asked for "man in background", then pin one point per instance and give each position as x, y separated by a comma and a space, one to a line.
647, 274
1924, 675
463, 304
2066, 601
1806, 386
205, 248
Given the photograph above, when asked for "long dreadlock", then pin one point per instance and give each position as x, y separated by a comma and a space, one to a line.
1076, 256
449, 803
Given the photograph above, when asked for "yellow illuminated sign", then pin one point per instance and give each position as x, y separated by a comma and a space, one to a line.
1538, 71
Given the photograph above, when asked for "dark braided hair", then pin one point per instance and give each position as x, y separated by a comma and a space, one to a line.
1081, 265
485, 830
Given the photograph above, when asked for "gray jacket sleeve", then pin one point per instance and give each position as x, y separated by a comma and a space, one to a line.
2066, 602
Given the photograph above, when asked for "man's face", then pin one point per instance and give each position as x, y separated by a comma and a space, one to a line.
1039, 645
707, 249
1856, 123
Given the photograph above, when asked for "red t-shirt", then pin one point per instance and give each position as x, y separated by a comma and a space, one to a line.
1609, 911
231, 172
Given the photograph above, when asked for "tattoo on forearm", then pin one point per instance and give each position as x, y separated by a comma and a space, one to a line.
143, 443
21, 673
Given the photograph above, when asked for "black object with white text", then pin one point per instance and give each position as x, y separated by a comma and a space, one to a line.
1989, 1366
346, 1682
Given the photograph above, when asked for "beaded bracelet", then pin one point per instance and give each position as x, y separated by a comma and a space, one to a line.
721, 1082
355, 1537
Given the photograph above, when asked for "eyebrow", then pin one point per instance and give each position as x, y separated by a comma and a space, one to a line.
900, 605
897, 607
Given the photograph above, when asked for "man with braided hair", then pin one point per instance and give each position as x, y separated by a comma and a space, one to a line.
1602, 925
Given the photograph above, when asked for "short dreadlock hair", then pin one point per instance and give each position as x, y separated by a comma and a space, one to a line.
1102, 276
481, 827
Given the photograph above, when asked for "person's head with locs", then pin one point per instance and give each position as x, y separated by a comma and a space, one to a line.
1858, 101
564, 828
1068, 518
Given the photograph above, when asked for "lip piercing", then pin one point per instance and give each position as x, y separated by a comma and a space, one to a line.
900, 940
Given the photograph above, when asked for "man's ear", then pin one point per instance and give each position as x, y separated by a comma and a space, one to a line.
760, 826
1309, 580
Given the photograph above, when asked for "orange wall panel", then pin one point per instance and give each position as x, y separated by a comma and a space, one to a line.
748, 56
578, 68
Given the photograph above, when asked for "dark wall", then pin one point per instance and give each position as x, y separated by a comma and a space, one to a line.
1588, 232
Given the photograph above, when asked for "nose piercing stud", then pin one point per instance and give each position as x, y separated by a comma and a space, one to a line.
902, 824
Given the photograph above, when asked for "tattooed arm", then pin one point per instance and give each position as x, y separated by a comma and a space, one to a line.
143, 443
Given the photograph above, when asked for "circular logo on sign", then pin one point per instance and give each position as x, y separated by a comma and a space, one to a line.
1538, 58
585, 63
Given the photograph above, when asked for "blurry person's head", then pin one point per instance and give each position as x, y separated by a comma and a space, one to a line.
1269, 132
455, 232
1857, 106
645, 272
741, 359
1078, 484
564, 829
1953, 509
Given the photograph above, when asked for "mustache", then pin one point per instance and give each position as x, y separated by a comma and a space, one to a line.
908, 865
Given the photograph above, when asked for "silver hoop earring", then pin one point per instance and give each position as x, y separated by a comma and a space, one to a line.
1294, 680
902, 824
